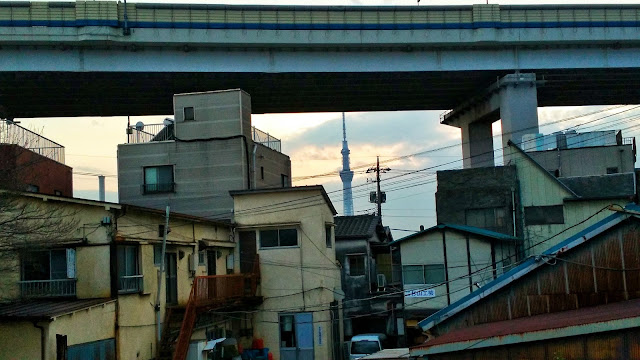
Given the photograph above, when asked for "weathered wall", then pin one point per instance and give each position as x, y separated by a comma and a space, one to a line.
295, 279
274, 164
476, 188
586, 161
565, 285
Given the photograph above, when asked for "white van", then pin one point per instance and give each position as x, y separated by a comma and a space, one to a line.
365, 344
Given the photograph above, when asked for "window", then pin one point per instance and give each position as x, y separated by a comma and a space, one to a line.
278, 238
48, 273
129, 277
287, 331
423, 274
189, 113
487, 218
285, 180
612, 170
158, 179
543, 215
202, 259
327, 234
262, 172
57, 192
356, 265
157, 254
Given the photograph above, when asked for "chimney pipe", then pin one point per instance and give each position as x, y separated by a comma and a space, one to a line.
101, 187
421, 227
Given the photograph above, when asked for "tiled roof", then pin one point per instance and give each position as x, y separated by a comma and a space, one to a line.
360, 226
557, 320
45, 309
601, 186
462, 228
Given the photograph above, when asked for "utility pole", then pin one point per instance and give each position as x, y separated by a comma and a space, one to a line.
379, 194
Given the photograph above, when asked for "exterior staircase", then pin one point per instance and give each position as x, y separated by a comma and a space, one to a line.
208, 293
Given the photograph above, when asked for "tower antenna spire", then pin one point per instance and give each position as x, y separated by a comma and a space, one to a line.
346, 174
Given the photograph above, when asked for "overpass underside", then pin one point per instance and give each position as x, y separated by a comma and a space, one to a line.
57, 94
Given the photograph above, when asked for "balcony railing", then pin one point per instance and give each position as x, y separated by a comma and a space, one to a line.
11, 133
130, 284
138, 134
158, 188
48, 288
265, 139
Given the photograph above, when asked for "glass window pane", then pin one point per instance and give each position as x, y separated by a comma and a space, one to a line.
413, 274
327, 233
288, 237
434, 274
165, 174
151, 175
356, 265
287, 331
58, 264
130, 260
268, 238
35, 266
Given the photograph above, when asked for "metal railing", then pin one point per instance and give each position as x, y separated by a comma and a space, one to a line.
265, 139
158, 188
48, 288
138, 134
12, 133
130, 284
209, 292
627, 140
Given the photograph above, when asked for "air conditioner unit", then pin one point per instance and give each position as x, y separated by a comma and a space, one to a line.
382, 282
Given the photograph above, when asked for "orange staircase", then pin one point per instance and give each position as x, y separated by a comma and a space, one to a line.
211, 293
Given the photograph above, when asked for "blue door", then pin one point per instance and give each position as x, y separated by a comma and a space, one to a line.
296, 336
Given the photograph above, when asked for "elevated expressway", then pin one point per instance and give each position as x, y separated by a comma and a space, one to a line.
95, 58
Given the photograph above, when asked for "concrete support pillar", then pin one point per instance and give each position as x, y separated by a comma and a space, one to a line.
514, 99
477, 144
518, 109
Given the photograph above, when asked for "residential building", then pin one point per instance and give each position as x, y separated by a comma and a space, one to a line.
290, 230
371, 300
535, 200
30, 162
578, 299
95, 290
192, 161
442, 264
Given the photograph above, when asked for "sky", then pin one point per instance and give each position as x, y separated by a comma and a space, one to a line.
313, 141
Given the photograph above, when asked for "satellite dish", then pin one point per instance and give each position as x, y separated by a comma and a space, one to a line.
167, 121
139, 126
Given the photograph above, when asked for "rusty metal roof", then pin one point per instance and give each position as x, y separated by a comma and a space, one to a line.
528, 265
551, 324
45, 309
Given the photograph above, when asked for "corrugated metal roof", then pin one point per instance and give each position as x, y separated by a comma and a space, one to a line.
45, 309
584, 316
526, 267
461, 228
359, 226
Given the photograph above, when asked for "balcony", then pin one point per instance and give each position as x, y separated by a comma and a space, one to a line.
263, 138
130, 284
143, 133
48, 288
11, 133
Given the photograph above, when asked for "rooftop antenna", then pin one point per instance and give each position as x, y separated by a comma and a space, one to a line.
346, 174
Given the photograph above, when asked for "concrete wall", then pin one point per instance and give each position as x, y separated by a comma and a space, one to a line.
217, 114
296, 279
274, 164
586, 161
428, 249
204, 172
476, 188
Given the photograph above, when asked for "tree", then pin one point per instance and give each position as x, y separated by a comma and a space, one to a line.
27, 223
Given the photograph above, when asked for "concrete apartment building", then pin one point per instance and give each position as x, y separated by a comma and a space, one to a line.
192, 161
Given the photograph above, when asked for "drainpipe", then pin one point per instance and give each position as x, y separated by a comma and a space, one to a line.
43, 340
255, 148
513, 206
